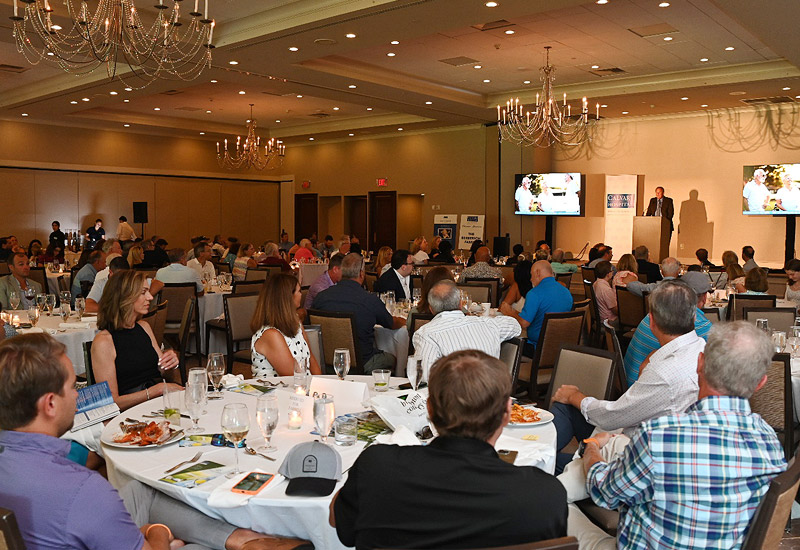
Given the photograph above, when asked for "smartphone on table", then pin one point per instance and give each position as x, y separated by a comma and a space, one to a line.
253, 483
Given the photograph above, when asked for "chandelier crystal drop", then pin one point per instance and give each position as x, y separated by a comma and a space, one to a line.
248, 154
548, 122
158, 43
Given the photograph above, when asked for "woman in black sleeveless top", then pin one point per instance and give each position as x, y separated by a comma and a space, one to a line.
125, 353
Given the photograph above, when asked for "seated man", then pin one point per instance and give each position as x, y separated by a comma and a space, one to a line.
455, 492
748, 253
201, 262
326, 247
445, 255
604, 254
61, 505
694, 480
176, 272
349, 296
667, 386
326, 280
17, 281
702, 257
451, 330
605, 295
558, 265
546, 296
272, 256
646, 267
397, 279
481, 268
95, 263
670, 269
644, 343
93, 299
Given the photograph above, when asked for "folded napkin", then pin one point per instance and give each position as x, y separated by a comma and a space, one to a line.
74, 324
31, 330
401, 436
529, 453
232, 381
573, 477
223, 497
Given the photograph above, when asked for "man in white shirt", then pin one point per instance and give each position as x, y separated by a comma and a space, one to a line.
125, 231
748, 253
451, 330
176, 272
96, 293
670, 269
788, 197
523, 196
756, 193
667, 381
201, 262
398, 279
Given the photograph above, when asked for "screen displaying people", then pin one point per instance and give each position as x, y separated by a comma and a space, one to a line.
548, 194
772, 189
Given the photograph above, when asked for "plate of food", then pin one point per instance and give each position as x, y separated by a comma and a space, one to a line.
528, 415
139, 435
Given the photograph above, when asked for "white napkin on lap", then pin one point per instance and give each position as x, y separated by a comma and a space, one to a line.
401, 436
223, 497
232, 380
74, 324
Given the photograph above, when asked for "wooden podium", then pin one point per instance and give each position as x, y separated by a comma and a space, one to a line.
652, 232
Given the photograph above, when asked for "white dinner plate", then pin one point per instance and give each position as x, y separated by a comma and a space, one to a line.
545, 417
176, 436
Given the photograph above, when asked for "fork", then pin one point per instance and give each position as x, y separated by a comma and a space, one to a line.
195, 458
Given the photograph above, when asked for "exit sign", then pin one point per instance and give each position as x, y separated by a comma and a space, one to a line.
382, 182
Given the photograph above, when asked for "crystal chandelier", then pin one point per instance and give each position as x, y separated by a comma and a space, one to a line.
549, 122
248, 154
115, 33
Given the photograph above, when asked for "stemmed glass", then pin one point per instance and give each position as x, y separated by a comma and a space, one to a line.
65, 311
235, 424
13, 299
341, 362
324, 415
267, 413
414, 372
216, 370
65, 296
51, 303
302, 376
779, 341
29, 293
194, 397
80, 306
794, 344
33, 315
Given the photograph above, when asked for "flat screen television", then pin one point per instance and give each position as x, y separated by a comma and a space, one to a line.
551, 194
771, 190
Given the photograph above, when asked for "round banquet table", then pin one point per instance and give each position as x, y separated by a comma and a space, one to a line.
52, 280
271, 511
210, 306
73, 338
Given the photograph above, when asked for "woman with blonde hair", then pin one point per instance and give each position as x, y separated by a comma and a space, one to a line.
736, 276
244, 260
420, 250
383, 260
125, 352
626, 271
135, 256
279, 339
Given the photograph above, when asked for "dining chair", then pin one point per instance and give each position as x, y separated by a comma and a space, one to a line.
314, 335
478, 292
369, 280
157, 319
87, 362
177, 295
563, 543
558, 330
774, 401
594, 313
417, 320
737, 303
565, 279
773, 514
39, 275
340, 332
271, 269
496, 285
592, 369
247, 287
613, 345
63, 283
712, 314
642, 278
10, 536
4, 269
222, 267
778, 318
256, 274
776, 283
631, 310
239, 309
511, 355
588, 274
585, 306
187, 319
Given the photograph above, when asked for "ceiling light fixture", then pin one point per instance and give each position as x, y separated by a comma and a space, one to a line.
390, 54
84, 99
624, 112
509, 31
202, 133
399, 129
242, 92
684, 98
213, 81
394, 42
704, 105
249, 154
233, 62
126, 100
491, 4
24, 114
127, 125
350, 35
601, 2
293, 49
429, 103
477, 66
549, 122
703, 59
785, 88
310, 139
156, 108
278, 121
595, 66
115, 34
208, 112
352, 86
351, 135
667, 39
369, 108
486, 81
663, 5
336, 108
73, 102
299, 96
729, 49
129, 89
112, 93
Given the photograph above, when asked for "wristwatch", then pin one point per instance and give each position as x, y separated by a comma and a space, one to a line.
582, 446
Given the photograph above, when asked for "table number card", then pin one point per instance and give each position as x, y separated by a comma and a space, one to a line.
345, 394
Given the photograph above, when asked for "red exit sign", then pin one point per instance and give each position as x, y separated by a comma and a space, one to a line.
382, 182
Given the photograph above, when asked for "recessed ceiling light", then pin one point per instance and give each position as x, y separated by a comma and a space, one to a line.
233, 62
351, 135
156, 108
684, 98
429, 103
399, 129
74, 102
601, 2
663, 5
129, 89
127, 125
604, 106
369, 108
509, 31
213, 81
729, 49
242, 92
491, 4
336, 108
486, 80
703, 59
390, 54
352, 86
667, 38
704, 105
126, 100
786, 88
112, 93
51, 54
350, 35
202, 133
595, 66
477, 66
624, 112
526, 81
208, 112
310, 139
738, 92
299, 96
24, 114
797, 97
293, 49
84, 99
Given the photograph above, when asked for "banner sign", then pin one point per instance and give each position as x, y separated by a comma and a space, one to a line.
620, 210
471, 230
444, 226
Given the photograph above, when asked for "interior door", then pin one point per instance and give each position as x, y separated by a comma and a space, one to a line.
305, 215
382, 219
356, 218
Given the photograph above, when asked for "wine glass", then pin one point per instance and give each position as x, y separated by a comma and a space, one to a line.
763, 324
29, 293
65, 312
33, 315
324, 415
194, 397
414, 372
13, 299
267, 413
216, 370
51, 303
779, 340
416, 295
235, 424
65, 296
794, 344
341, 362
80, 306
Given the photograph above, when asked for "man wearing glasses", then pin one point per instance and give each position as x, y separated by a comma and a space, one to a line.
398, 279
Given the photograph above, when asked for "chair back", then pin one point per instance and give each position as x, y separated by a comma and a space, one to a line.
586, 307
773, 402
72, 272
591, 369
558, 330
87, 361
642, 278
340, 332
4, 269
63, 283
369, 280
594, 311
177, 295
588, 274
778, 318
478, 292
494, 296
631, 308
612, 345
776, 283
239, 309
769, 522
563, 543
157, 319
248, 287
417, 320
565, 279
737, 303
10, 536
271, 269
712, 314
222, 267
256, 274
183, 336
39, 275
314, 336
511, 355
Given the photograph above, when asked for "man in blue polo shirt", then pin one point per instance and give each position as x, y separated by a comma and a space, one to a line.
546, 296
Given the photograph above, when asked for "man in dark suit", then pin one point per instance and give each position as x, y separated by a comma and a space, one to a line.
398, 277
661, 206
646, 267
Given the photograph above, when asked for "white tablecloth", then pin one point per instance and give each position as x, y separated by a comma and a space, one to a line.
210, 307
52, 281
394, 342
73, 338
310, 272
271, 511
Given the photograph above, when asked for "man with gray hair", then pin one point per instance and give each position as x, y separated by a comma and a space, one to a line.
451, 330
670, 269
176, 272
692, 479
645, 266
668, 384
558, 265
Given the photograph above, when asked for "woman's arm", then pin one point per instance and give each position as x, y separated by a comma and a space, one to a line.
273, 346
313, 364
167, 360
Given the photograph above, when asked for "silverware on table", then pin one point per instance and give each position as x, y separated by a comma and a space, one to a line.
195, 458
252, 451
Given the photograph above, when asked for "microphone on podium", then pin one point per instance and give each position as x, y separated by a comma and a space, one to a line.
582, 252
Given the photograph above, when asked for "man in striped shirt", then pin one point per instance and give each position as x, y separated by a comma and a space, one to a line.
451, 330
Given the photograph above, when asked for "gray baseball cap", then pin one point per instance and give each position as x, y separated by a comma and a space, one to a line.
312, 469
697, 281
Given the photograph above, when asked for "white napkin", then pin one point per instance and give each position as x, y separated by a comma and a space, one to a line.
573, 477
529, 453
223, 497
31, 330
401, 436
232, 381
73, 324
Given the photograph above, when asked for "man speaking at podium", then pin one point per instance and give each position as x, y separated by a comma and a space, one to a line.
661, 206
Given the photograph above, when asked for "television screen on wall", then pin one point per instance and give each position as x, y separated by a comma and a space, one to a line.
771, 189
552, 194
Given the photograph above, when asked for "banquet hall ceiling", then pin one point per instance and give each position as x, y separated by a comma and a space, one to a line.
333, 86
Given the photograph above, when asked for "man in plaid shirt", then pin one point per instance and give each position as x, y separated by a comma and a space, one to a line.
694, 480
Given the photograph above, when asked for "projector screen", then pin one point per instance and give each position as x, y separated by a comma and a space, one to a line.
553, 194
771, 189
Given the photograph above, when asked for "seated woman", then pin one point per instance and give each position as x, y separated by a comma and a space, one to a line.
626, 271
52, 253
445, 255
735, 275
606, 296
515, 297
135, 256
125, 353
432, 277
755, 282
244, 260
279, 337
384, 260
793, 285
233, 251
34, 249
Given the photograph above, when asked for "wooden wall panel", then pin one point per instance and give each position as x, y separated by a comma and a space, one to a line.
235, 211
18, 220
174, 219
98, 198
132, 189
56, 199
264, 211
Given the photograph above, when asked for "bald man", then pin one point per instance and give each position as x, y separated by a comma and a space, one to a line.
481, 268
546, 296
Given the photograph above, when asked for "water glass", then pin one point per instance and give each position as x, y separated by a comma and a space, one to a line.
324, 415
172, 405
341, 362
345, 431
414, 372
267, 413
794, 345
235, 424
13, 299
380, 379
763, 324
33, 315
416, 295
302, 376
50, 301
779, 341
796, 331
65, 296
194, 397
215, 367
80, 306
65, 311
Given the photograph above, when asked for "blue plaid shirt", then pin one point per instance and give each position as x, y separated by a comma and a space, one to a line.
692, 480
